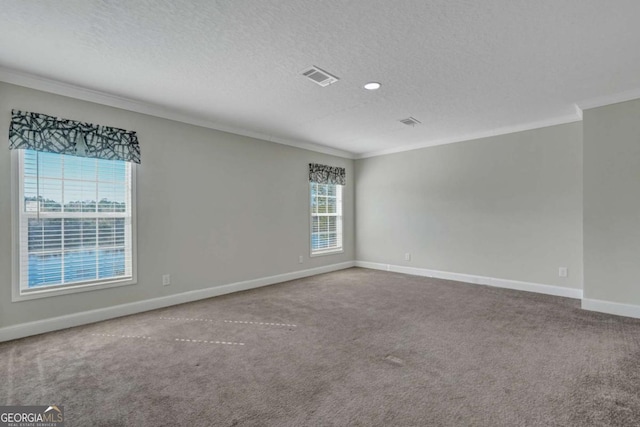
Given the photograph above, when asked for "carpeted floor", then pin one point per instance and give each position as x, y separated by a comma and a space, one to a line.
356, 347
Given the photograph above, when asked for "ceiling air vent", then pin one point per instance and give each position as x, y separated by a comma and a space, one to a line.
319, 76
410, 121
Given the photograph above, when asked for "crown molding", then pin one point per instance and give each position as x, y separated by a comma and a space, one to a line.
33, 81
615, 98
578, 110
44, 84
571, 118
578, 107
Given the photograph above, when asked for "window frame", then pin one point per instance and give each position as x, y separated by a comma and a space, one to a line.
324, 252
17, 200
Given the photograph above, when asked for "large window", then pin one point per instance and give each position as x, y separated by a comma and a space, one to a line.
75, 223
326, 218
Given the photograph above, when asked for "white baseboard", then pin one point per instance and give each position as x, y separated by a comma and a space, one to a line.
85, 317
609, 307
479, 280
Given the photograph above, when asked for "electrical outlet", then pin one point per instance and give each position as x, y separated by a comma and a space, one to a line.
563, 272
166, 279
300, 259
407, 256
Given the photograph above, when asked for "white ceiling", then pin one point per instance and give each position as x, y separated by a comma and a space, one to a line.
463, 68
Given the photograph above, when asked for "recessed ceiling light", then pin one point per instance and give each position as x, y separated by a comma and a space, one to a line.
372, 86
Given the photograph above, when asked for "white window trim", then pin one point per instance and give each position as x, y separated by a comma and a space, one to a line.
17, 294
326, 252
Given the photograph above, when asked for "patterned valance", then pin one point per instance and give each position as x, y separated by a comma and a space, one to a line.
34, 131
323, 174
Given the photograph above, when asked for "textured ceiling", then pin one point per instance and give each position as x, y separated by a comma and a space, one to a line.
461, 67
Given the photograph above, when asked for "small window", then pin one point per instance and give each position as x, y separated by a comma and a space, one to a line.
326, 218
75, 224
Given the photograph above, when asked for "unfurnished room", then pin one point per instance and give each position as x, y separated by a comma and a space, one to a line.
319, 213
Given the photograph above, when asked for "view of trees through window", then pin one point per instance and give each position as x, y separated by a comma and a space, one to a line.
326, 217
75, 221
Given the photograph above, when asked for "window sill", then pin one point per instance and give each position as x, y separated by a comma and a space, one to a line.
71, 289
328, 252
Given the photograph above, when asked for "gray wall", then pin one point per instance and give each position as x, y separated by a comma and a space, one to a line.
213, 208
216, 208
612, 203
507, 207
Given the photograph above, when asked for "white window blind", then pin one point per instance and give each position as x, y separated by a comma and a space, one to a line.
326, 218
75, 221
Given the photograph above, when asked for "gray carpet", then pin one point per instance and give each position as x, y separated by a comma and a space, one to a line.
368, 348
